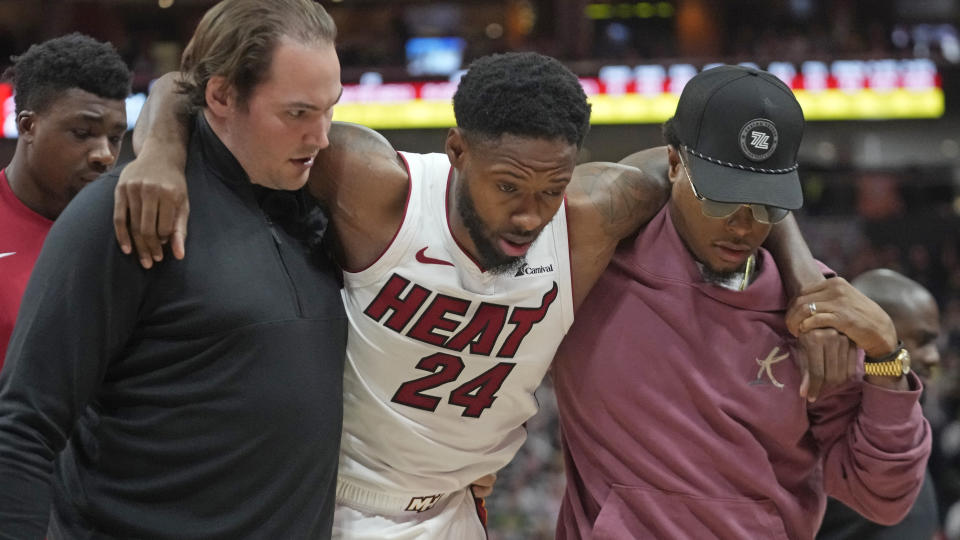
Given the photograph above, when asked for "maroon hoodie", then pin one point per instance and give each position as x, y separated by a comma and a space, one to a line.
674, 427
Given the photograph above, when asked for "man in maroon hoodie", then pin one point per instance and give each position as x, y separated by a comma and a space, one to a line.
679, 386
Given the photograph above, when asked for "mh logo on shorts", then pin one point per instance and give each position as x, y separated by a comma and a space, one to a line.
422, 504
758, 139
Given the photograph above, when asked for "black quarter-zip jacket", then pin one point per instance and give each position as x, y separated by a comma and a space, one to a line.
198, 400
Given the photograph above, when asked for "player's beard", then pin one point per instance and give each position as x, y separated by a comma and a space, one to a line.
491, 259
710, 274
716, 277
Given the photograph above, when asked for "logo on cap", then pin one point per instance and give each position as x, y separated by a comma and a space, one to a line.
758, 139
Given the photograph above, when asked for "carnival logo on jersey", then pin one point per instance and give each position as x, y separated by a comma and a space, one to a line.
766, 367
758, 139
527, 270
422, 504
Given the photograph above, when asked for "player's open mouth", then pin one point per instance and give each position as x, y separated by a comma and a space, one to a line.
514, 249
731, 252
304, 162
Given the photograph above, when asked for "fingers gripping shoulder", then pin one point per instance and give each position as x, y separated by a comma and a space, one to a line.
150, 210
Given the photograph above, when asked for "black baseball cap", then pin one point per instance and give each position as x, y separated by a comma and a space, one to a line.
741, 128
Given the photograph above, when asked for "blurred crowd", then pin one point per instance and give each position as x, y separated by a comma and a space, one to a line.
374, 35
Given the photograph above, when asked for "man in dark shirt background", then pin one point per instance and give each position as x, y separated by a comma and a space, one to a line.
201, 399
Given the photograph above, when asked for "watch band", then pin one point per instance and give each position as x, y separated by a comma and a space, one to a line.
891, 368
895, 364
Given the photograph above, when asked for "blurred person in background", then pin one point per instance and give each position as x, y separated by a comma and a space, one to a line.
945, 466
71, 117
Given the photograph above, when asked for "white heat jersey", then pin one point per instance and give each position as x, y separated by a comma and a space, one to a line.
442, 357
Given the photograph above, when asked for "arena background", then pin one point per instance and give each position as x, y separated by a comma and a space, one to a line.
880, 161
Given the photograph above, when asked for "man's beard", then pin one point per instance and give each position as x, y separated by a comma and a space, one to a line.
491, 259
716, 277
724, 278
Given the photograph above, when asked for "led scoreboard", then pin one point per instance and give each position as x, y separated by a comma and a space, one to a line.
840, 90
644, 94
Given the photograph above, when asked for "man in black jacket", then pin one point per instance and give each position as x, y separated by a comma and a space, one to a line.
202, 399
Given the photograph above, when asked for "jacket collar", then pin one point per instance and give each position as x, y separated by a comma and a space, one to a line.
219, 160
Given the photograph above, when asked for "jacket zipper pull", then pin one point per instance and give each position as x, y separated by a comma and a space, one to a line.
273, 230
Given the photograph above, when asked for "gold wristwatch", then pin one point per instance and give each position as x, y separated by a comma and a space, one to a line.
895, 364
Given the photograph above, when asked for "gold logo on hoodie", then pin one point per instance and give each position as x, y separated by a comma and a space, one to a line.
766, 366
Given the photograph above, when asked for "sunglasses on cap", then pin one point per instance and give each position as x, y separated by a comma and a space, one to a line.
762, 213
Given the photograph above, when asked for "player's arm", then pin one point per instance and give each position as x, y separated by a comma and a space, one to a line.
150, 201
606, 202
798, 269
363, 184
653, 161
839, 305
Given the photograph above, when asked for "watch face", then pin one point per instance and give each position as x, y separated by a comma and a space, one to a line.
904, 358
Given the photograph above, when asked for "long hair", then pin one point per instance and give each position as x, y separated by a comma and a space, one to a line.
236, 40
